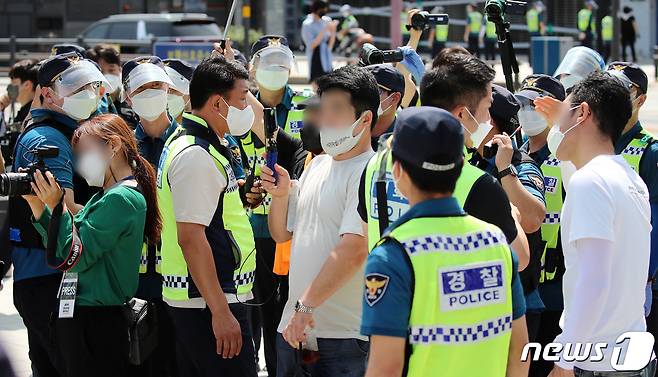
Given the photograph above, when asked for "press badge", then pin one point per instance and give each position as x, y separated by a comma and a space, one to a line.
68, 289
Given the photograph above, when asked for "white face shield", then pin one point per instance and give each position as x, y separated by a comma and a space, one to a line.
577, 64
80, 74
274, 57
143, 74
179, 82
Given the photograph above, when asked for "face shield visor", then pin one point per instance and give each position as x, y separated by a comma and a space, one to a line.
274, 57
578, 63
144, 74
179, 82
80, 74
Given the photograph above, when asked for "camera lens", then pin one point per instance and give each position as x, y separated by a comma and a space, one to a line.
14, 184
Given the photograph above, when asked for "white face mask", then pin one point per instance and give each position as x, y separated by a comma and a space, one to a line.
92, 167
81, 105
336, 141
271, 79
482, 131
175, 105
239, 122
531, 121
380, 110
150, 103
555, 136
114, 82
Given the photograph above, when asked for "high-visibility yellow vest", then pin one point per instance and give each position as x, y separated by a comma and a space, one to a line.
441, 33
607, 28
585, 19
380, 169
403, 23
490, 30
475, 22
461, 313
550, 228
230, 236
635, 149
532, 20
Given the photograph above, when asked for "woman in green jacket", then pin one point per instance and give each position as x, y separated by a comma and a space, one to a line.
99, 248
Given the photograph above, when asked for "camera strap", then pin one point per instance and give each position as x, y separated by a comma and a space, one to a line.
382, 197
76, 248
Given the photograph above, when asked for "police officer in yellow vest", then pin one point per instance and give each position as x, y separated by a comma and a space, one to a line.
271, 63
206, 235
472, 32
535, 19
442, 292
607, 32
587, 23
488, 35
438, 36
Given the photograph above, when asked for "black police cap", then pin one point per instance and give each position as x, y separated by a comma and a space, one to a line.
542, 85
268, 40
387, 77
64, 48
634, 73
133, 63
52, 67
184, 68
504, 108
428, 138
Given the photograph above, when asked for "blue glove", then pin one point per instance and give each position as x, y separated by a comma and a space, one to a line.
413, 63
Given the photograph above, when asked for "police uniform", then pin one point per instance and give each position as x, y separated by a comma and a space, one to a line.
436, 250
587, 25
533, 22
490, 40
607, 32
474, 21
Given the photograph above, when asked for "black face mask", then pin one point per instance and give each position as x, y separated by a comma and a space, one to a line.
311, 138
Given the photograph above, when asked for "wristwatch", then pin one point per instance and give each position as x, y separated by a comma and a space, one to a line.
301, 308
510, 170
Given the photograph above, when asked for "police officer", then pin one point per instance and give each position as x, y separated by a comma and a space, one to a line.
70, 86
490, 39
64, 48
640, 150
607, 33
472, 31
206, 234
477, 310
438, 36
535, 19
145, 87
271, 62
178, 99
587, 23
390, 83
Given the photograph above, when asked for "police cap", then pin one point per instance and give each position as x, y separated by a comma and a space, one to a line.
69, 71
64, 48
142, 70
504, 109
541, 85
387, 77
633, 72
268, 40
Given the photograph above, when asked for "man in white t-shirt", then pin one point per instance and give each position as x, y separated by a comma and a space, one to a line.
329, 245
606, 225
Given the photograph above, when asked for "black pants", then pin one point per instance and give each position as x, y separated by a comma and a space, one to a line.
474, 44
36, 302
490, 48
549, 328
272, 292
607, 50
162, 362
533, 322
588, 40
94, 342
631, 45
196, 347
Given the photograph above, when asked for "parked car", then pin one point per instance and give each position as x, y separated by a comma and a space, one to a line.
162, 26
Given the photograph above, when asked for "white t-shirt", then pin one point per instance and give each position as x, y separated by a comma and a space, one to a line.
605, 228
325, 209
196, 185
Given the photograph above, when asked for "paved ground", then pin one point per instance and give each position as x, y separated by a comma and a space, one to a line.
13, 336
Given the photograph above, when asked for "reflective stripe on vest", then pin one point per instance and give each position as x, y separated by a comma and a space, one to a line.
585, 20
462, 298
475, 22
143, 260
607, 27
397, 204
550, 229
176, 277
441, 33
635, 149
292, 126
532, 20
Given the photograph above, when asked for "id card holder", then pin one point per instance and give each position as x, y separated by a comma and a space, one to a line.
68, 290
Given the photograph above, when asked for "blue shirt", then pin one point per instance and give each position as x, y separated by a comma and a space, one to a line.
310, 29
389, 316
649, 175
30, 262
151, 148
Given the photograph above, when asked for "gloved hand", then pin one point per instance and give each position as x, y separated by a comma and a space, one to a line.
413, 62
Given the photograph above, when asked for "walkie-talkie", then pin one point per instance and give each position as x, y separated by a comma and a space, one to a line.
270, 138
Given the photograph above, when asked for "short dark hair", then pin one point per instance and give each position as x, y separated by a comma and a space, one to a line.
609, 100
214, 75
319, 4
106, 52
463, 79
359, 82
25, 70
443, 57
433, 182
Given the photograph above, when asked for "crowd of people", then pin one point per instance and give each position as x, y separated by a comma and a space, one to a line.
401, 220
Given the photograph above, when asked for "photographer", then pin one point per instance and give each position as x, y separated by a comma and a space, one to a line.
70, 87
99, 247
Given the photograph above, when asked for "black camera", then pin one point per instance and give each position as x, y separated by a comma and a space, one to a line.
370, 55
15, 184
497, 9
423, 20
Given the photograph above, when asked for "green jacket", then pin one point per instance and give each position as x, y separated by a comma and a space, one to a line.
111, 229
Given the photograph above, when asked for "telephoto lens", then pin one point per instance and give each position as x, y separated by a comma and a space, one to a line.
14, 184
